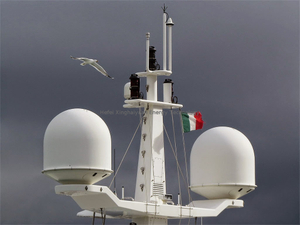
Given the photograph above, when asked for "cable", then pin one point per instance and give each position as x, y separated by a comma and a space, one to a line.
165, 11
184, 150
93, 222
115, 180
125, 153
176, 153
186, 184
103, 216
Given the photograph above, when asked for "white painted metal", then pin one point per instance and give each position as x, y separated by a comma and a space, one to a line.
170, 24
147, 51
151, 183
94, 197
222, 164
152, 88
179, 199
155, 73
77, 148
137, 103
167, 89
164, 42
151, 80
127, 94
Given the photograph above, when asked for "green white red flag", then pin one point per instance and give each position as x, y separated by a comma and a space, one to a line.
191, 121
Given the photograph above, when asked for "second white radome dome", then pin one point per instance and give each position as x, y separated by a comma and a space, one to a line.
222, 164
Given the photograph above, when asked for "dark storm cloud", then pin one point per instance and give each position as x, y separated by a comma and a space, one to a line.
235, 61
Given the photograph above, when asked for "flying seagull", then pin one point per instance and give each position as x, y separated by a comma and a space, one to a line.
93, 63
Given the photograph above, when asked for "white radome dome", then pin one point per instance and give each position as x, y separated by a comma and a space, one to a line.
77, 148
222, 164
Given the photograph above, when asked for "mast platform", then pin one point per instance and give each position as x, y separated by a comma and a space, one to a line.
138, 103
95, 198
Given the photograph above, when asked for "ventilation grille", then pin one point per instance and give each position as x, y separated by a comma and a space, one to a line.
158, 189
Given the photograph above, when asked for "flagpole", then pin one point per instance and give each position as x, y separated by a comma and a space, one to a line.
184, 150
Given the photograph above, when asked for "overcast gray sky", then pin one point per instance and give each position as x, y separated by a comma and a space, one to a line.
235, 61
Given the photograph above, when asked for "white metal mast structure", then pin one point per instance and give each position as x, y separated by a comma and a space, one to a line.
77, 153
151, 178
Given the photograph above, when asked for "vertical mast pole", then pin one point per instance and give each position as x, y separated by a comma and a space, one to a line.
164, 41
152, 79
115, 187
170, 24
147, 50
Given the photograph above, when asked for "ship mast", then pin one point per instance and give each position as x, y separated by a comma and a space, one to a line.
77, 154
151, 177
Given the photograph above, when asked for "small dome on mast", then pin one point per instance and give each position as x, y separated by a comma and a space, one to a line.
170, 22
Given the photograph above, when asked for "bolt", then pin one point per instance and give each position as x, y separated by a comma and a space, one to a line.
143, 170
144, 136
143, 153
142, 186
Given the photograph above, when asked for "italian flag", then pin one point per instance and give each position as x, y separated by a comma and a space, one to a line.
191, 121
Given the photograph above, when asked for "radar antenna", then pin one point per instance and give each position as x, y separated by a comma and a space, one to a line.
165, 11
164, 8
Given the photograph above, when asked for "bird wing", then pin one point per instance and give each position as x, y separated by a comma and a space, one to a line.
80, 58
100, 69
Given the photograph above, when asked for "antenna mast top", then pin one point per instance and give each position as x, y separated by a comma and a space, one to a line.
164, 8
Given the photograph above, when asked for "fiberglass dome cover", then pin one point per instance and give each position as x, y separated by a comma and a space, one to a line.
77, 147
222, 164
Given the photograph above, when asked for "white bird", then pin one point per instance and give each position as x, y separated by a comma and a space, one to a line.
93, 63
